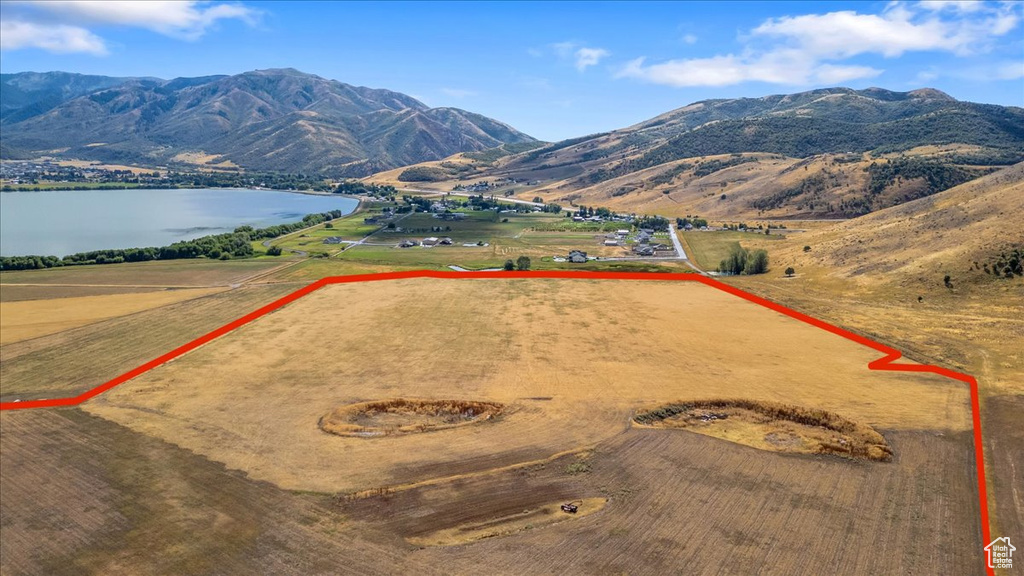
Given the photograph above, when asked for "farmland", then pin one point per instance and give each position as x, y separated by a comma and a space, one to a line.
34, 318
481, 239
563, 436
71, 361
208, 440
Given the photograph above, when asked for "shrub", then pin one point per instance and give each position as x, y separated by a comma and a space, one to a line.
274, 251
423, 174
790, 271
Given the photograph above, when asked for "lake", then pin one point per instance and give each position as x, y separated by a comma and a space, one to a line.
58, 223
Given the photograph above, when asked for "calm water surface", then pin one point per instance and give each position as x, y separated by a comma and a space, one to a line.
59, 223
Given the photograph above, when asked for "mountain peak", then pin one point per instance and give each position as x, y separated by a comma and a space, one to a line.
931, 93
273, 119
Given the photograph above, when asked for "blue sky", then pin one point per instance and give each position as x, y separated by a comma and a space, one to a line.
553, 70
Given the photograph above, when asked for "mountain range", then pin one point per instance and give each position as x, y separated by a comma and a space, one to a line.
281, 119
813, 154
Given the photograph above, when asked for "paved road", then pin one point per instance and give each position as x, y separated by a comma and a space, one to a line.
680, 253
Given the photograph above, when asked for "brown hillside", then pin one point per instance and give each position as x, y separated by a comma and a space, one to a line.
923, 240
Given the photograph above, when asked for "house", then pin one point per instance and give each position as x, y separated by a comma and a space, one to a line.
644, 250
432, 241
577, 218
611, 242
577, 257
333, 240
438, 207
622, 232
370, 220
647, 230
408, 243
643, 237
445, 241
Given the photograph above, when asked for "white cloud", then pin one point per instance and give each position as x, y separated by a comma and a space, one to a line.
776, 68
589, 57
1010, 71
690, 39
954, 5
810, 49
61, 39
582, 57
897, 30
563, 49
64, 26
458, 93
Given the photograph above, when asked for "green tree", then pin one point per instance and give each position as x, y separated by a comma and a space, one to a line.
523, 263
757, 262
510, 265
274, 251
790, 271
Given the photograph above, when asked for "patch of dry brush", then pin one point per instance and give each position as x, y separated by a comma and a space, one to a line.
405, 416
816, 431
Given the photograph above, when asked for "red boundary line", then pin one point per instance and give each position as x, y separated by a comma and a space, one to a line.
887, 362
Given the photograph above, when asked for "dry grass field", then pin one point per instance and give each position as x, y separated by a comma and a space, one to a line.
199, 273
193, 467
571, 360
84, 495
882, 275
34, 318
75, 360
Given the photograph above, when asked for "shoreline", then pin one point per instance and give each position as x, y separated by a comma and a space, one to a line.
359, 207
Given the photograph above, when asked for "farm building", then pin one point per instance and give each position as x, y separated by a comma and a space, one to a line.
432, 241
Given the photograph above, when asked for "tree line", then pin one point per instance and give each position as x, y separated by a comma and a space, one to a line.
234, 244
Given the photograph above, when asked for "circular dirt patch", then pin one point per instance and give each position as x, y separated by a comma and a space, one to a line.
771, 426
405, 416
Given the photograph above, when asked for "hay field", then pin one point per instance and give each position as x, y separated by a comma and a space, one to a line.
34, 318
572, 359
70, 362
161, 274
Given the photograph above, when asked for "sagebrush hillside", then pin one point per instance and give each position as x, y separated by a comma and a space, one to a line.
282, 120
826, 153
971, 233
